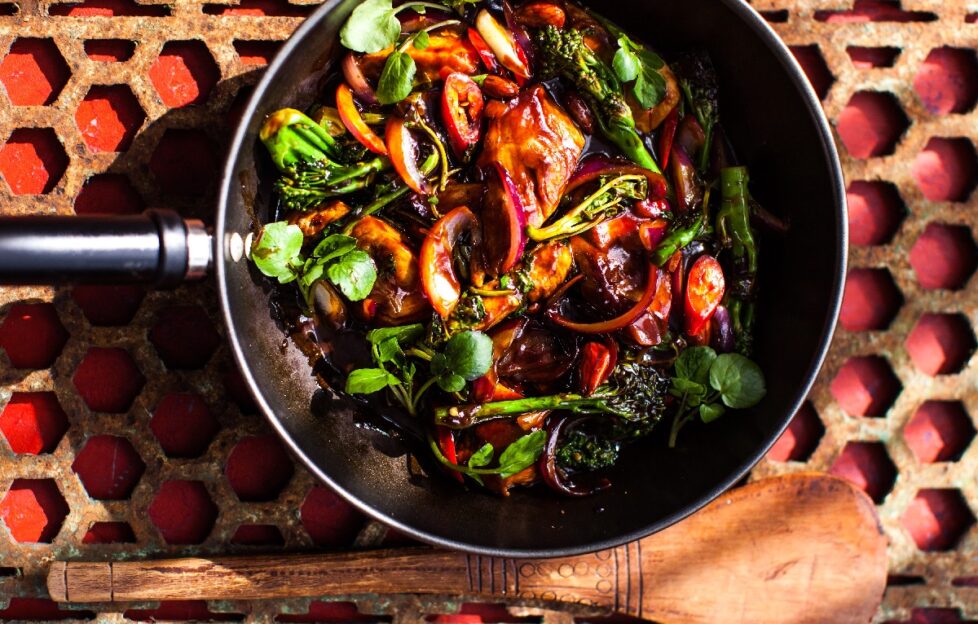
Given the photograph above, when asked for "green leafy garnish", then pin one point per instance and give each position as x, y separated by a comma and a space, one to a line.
350, 269
482, 457
369, 380
706, 382
465, 357
421, 41
397, 79
635, 62
276, 251
519, 455
373, 26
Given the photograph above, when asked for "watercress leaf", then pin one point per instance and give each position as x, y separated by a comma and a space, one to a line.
388, 350
311, 272
650, 59
369, 380
482, 457
521, 453
739, 381
451, 382
397, 79
334, 246
694, 364
354, 274
469, 354
371, 27
439, 365
625, 63
688, 387
276, 250
404, 334
711, 411
649, 88
421, 40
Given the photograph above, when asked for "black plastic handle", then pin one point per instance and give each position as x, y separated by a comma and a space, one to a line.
151, 247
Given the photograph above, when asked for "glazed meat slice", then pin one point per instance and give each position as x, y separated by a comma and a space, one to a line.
538, 145
312, 222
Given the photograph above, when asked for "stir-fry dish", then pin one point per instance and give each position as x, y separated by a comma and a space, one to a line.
523, 230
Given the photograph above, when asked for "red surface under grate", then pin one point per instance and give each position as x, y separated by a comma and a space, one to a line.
125, 430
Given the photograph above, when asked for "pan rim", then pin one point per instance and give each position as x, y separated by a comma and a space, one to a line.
799, 81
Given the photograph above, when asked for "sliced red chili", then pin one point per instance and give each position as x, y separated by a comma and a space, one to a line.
705, 286
446, 441
351, 118
403, 152
598, 359
461, 109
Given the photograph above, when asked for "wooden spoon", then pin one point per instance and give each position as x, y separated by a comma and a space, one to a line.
799, 548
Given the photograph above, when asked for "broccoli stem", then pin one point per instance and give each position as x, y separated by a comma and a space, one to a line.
597, 207
291, 137
463, 416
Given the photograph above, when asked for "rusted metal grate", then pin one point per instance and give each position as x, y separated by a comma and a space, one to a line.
125, 430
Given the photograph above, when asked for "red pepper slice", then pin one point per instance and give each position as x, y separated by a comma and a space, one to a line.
482, 49
461, 110
604, 327
705, 286
446, 441
598, 359
351, 118
403, 151
668, 134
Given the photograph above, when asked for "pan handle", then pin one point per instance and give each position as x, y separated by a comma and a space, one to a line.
158, 247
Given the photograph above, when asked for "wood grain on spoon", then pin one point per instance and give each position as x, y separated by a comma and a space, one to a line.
799, 548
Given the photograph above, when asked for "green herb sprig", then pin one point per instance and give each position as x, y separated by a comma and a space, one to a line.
519, 455
466, 356
706, 384
635, 63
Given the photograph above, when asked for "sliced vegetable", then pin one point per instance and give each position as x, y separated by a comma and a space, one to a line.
351, 118
597, 166
446, 440
704, 291
598, 359
357, 81
503, 45
482, 49
619, 322
552, 474
461, 109
403, 152
668, 134
438, 278
503, 224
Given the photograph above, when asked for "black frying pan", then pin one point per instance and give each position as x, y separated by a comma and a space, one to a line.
776, 124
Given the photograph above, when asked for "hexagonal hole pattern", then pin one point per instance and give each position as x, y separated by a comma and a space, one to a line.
946, 169
257, 535
184, 73
183, 425
184, 162
109, 118
870, 301
939, 431
947, 82
180, 611
238, 392
109, 467
868, 467
108, 380
108, 305
256, 52
875, 212
869, 58
108, 193
871, 124
936, 519
41, 609
32, 161
33, 510
863, 11
940, 344
811, 60
800, 439
33, 422
33, 72
944, 256
335, 612
184, 337
110, 50
329, 520
108, 8
259, 468
183, 512
109, 533
865, 386
32, 335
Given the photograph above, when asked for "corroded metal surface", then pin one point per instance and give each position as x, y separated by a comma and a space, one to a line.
150, 129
